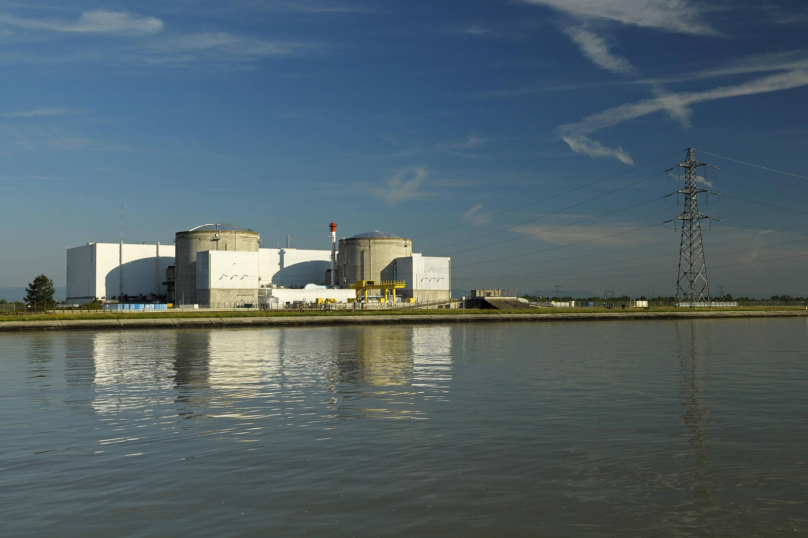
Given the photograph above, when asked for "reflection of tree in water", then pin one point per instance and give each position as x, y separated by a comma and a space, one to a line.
693, 349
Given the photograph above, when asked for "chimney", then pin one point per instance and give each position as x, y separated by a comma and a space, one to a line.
333, 253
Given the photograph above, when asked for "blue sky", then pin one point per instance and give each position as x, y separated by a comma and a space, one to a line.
411, 118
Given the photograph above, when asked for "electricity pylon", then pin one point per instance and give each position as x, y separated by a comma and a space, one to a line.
691, 283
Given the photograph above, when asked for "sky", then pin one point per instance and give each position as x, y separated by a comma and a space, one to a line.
527, 139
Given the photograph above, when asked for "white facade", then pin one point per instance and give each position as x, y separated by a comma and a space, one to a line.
285, 296
291, 267
93, 270
424, 272
283, 267
93, 273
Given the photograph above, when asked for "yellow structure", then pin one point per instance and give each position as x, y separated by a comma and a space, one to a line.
365, 286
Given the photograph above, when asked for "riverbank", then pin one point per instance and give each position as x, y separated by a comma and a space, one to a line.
223, 320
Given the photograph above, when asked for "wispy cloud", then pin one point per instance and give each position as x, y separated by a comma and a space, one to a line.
35, 178
460, 148
594, 233
471, 142
224, 45
91, 22
668, 15
596, 49
475, 216
43, 112
36, 138
676, 104
404, 185
476, 29
789, 18
154, 46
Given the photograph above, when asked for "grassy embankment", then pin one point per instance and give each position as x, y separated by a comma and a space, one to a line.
402, 312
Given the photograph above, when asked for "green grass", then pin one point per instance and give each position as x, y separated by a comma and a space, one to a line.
406, 312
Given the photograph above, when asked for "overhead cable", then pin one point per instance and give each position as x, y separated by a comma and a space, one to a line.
547, 198
545, 216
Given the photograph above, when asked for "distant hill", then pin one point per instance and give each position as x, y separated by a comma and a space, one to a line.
17, 294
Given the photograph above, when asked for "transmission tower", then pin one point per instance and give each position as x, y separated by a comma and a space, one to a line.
691, 284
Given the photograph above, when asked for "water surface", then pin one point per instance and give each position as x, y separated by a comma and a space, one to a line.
649, 428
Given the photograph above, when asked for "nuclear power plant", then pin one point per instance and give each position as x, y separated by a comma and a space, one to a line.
224, 266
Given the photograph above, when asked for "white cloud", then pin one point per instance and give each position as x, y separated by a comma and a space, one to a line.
676, 104
592, 148
42, 112
595, 48
668, 15
92, 22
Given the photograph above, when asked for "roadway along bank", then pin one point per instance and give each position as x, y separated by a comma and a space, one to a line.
410, 319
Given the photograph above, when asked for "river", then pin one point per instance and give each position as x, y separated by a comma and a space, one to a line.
627, 428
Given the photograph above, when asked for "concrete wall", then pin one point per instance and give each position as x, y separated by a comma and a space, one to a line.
370, 258
92, 270
431, 296
189, 244
226, 298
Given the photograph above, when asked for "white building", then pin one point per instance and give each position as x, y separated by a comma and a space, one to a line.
228, 278
427, 278
93, 271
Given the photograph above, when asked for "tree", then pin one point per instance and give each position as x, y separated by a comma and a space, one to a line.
40, 291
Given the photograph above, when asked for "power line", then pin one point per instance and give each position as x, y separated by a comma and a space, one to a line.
756, 202
552, 273
548, 198
756, 225
555, 274
768, 180
564, 246
559, 227
754, 165
539, 218
671, 272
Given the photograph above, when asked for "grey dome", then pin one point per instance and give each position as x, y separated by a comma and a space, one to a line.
376, 234
213, 228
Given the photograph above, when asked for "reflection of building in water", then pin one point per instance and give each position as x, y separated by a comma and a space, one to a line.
383, 356
197, 371
241, 363
693, 341
390, 369
276, 364
395, 356
132, 370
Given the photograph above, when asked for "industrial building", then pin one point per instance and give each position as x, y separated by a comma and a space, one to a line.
217, 265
